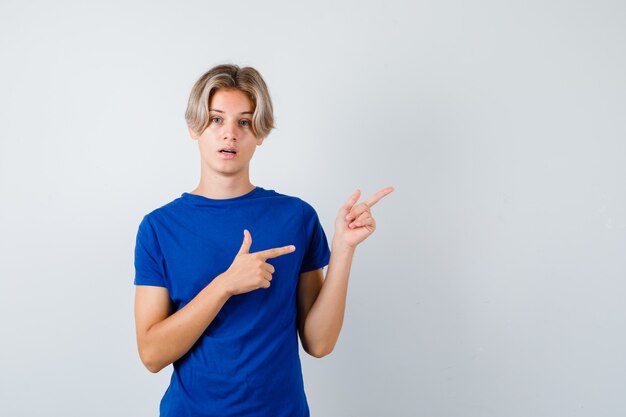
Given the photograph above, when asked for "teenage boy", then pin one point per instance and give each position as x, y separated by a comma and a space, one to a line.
229, 274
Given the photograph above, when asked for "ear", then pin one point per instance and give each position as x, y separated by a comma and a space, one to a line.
193, 134
259, 141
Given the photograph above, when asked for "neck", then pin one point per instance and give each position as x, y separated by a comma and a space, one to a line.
222, 187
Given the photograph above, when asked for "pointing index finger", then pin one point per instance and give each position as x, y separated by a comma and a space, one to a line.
276, 252
378, 196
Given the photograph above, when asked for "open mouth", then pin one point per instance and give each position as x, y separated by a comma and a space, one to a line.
228, 153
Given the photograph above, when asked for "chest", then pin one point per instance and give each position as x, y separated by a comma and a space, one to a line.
197, 249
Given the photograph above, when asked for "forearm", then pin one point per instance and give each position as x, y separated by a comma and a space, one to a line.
169, 339
325, 318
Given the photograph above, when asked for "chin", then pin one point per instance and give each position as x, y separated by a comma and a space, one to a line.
229, 171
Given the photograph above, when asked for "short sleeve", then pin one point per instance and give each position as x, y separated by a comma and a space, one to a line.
149, 268
317, 253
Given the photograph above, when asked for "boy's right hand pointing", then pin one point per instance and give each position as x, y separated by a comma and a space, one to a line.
249, 271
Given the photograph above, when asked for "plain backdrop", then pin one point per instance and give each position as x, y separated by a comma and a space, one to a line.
494, 284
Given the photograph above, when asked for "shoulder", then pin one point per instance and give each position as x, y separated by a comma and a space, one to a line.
161, 213
297, 202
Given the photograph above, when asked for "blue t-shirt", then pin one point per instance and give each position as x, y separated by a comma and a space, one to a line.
246, 362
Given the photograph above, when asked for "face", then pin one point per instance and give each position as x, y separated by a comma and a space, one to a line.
230, 129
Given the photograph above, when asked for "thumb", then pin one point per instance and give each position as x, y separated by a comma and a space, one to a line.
247, 242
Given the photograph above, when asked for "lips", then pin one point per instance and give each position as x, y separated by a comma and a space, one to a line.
229, 150
228, 153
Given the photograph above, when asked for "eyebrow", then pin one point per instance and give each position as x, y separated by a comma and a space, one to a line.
221, 111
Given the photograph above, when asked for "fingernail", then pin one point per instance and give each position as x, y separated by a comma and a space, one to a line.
292, 247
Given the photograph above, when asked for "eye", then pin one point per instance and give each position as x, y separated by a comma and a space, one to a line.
245, 123
215, 119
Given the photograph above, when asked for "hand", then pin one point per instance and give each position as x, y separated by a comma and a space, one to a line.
355, 223
249, 271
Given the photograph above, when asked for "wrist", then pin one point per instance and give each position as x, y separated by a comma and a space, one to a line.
341, 246
220, 284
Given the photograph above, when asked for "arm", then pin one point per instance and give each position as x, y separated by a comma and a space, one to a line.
162, 337
321, 302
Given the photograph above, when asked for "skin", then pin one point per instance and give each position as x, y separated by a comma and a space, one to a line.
163, 336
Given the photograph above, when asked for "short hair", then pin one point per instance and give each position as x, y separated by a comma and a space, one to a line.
230, 76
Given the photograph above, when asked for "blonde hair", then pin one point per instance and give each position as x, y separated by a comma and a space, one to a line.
230, 76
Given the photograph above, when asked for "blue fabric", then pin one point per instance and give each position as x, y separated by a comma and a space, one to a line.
246, 363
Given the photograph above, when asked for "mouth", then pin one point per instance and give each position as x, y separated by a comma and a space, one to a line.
228, 153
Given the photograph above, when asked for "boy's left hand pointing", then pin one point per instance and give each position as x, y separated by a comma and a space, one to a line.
354, 222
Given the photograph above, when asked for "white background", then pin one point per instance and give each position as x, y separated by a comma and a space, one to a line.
494, 284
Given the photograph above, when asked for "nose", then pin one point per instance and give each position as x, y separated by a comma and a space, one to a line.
231, 131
